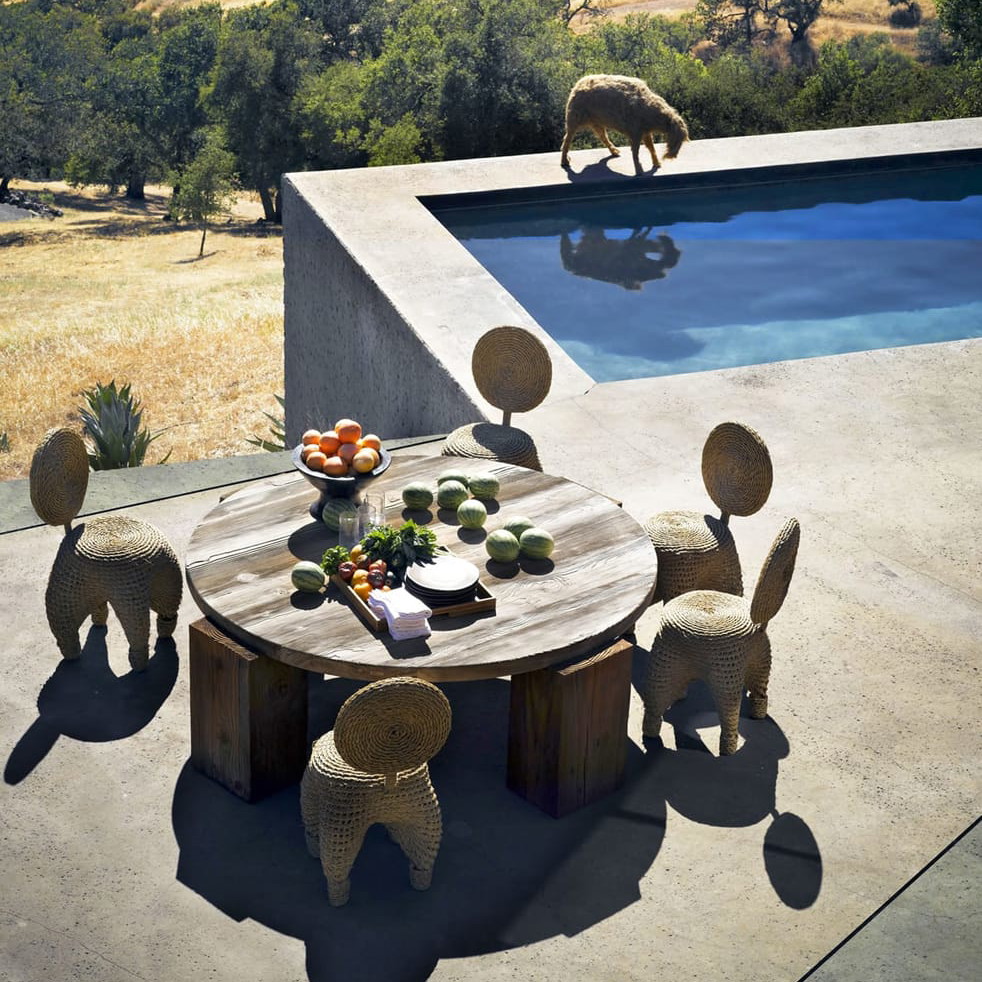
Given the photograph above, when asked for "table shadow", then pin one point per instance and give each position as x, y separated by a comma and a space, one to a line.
85, 700
507, 874
738, 790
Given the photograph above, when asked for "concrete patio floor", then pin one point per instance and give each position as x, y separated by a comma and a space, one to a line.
120, 862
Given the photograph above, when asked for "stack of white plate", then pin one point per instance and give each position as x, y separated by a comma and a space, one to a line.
447, 580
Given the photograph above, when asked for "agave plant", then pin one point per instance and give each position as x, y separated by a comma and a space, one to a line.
277, 429
113, 423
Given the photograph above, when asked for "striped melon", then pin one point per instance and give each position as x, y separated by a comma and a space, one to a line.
517, 525
450, 494
417, 495
307, 576
484, 486
453, 475
502, 546
536, 543
472, 514
333, 509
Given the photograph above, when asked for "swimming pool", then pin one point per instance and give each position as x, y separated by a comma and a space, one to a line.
691, 279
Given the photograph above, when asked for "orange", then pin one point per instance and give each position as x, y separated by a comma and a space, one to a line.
359, 576
316, 461
365, 460
347, 451
310, 436
307, 449
332, 466
348, 430
329, 443
363, 589
370, 440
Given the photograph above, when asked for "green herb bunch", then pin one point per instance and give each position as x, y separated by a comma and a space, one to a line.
400, 547
333, 558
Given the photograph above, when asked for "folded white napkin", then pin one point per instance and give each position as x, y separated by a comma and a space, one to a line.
405, 614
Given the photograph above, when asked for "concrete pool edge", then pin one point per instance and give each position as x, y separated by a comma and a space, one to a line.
383, 306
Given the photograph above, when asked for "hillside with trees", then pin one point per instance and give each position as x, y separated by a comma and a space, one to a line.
105, 92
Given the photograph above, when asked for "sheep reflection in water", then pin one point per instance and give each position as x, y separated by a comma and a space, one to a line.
629, 262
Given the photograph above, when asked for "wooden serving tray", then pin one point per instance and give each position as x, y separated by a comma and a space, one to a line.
483, 601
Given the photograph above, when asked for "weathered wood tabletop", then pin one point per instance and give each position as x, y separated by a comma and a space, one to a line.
597, 583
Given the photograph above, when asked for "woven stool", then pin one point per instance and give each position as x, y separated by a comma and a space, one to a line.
721, 639
695, 551
372, 767
513, 372
111, 560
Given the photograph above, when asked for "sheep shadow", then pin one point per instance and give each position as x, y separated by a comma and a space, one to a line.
735, 791
85, 700
601, 170
507, 874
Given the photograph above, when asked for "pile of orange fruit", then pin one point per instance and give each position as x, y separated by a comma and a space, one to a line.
342, 450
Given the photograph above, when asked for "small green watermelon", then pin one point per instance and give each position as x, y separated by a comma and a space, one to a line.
454, 475
450, 494
484, 486
502, 546
536, 543
333, 509
472, 514
307, 576
417, 495
517, 525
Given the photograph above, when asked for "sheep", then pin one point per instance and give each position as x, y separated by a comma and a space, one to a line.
627, 105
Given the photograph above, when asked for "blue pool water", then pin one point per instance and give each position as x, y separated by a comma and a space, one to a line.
685, 280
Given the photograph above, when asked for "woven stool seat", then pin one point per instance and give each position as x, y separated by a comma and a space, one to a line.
721, 639
493, 441
111, 560
695, 551
513, 371
372, 767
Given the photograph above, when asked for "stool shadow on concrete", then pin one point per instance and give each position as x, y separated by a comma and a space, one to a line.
507, 874
735, 791
85, 700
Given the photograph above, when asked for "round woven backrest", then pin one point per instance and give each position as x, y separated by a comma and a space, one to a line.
59, 476
512, 369
736, 469
775, 575
392, 725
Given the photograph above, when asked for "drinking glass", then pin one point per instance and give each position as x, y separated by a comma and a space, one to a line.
349, 529
371, 510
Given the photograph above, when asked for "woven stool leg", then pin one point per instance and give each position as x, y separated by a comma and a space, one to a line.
727, 694
666, 682
134, 618
340, 843
758, 675
66, 604
100, 614
165, 594
419, 839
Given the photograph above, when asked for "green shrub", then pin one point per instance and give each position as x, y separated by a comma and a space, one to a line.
112, 423
4, 442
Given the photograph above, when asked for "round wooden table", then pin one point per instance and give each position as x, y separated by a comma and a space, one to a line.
564, 611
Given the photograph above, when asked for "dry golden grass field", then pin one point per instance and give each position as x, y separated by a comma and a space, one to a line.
110, 291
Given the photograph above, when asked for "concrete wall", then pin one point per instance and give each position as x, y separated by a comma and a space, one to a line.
348, 352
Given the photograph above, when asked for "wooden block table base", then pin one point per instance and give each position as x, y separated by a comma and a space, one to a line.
248, 715
567, 743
